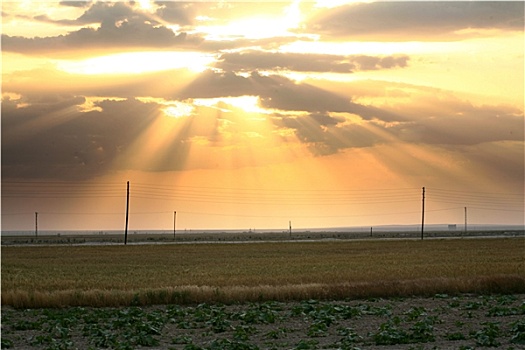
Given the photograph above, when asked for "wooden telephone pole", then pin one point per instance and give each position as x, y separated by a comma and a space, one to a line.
423, 214
465, 219
127, 216
36, 224
174, 220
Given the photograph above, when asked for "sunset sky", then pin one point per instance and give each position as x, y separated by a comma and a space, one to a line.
251, 114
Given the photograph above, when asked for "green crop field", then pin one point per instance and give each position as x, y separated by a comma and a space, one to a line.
55, 276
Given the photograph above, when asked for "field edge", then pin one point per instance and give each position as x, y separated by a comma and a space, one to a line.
185, 295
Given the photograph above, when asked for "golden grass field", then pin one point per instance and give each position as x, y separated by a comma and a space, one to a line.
55, 276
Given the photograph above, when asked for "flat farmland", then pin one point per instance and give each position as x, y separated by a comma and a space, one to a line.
60, 276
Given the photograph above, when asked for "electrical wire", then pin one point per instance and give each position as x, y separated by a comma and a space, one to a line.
510, 202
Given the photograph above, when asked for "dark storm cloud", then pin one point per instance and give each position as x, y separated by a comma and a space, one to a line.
408, 20
261, 60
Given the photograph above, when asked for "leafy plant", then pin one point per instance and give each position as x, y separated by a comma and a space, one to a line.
500, 310
348, 312
414, 313
517, 331
459, 324
277, 333
349, 337
422, 332
455, 336
454, 303
6, 343
377, 310
226, 344
264, 313
506, 299
317, 329
473, 305
390, 334
307, 344
487, 336
182, 339
25, 325
242, 333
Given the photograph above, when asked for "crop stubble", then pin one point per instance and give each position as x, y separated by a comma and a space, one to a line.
157, 274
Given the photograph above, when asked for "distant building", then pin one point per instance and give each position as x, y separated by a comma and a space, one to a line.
452, 227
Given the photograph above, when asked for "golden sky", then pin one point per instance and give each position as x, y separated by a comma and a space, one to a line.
251, 114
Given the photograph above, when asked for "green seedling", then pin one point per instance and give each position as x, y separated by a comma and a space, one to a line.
488, 335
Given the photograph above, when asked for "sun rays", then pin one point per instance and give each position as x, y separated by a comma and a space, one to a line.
300, 96
137, 63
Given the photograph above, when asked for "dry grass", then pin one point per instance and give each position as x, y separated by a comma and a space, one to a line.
151, 274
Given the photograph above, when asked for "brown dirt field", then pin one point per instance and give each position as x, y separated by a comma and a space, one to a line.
464, 321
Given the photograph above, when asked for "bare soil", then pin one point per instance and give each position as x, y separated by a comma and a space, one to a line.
439, 322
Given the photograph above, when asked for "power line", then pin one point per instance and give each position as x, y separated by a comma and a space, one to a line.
238, 215
507, 202
478, 193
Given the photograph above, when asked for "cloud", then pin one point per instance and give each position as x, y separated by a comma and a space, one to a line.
325, 134
277, 92
466, 126
120, 28
52, 138
115, 26
434, 122
503, 160
75, 3
127, 35
261, 60
410, 20
101, 13
181, 13
108, 13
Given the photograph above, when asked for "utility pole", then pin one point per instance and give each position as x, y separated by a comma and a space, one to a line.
127, 216
423, 214
36, 224
290, 223
174, 218
465, 219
